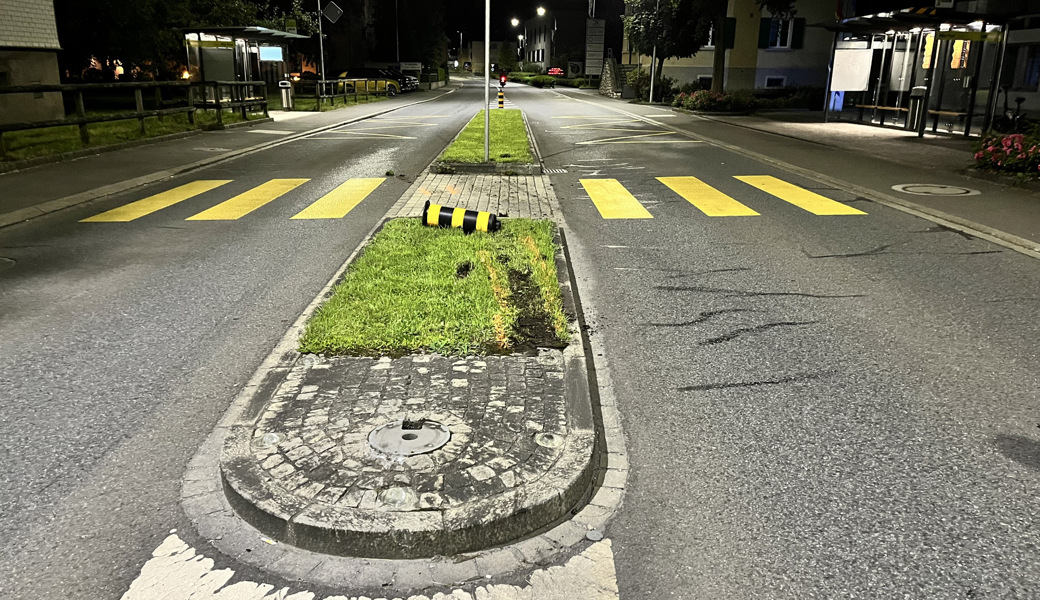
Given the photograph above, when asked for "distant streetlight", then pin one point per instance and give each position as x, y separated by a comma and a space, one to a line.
541, 11
514, 21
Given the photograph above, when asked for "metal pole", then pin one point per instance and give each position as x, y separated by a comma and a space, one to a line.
923, 120
487, 80
397, 33
974, 51
653, 58
994, 88
321, 43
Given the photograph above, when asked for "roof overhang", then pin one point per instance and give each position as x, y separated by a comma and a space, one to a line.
251, 33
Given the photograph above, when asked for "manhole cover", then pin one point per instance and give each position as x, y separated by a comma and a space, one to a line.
408, 438
934, 189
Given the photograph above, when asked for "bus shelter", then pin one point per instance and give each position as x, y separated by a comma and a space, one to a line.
920, 69
250, 53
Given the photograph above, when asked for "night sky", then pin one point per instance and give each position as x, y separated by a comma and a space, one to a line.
468, 16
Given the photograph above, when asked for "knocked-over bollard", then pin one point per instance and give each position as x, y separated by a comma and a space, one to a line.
435, 215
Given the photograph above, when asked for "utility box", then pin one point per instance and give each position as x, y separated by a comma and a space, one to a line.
286, 88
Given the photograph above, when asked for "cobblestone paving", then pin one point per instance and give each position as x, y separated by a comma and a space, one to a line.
510, 195
495, 407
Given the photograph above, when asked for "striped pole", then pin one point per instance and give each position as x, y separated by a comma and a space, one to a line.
501, 98
435, 215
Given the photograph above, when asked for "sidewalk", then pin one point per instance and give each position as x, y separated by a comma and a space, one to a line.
43, 189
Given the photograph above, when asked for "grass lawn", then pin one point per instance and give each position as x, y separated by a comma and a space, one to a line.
418, 288
508, 142
45, 141
310, 103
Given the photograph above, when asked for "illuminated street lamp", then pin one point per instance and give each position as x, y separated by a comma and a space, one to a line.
514, 21
541, 11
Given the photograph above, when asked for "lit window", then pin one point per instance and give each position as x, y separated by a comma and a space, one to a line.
780, 33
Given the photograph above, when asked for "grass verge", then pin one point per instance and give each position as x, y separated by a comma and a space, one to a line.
508, 142
417, 288
311, 104
46, 141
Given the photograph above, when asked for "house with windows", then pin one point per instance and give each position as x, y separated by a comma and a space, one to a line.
29, 56
762, 50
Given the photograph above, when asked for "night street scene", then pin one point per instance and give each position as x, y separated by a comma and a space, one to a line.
519, 299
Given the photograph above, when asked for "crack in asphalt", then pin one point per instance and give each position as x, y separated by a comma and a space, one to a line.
744, 384
704, 316
708, 272
871, 252
746, 294
945, 229
756, 329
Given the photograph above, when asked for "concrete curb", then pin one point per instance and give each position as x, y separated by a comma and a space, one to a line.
205, 503
474, 526
46, 208
448, 168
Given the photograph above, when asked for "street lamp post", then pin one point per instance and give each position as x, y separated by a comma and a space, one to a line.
487, 79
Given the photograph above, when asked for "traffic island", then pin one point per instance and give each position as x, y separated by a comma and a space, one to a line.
441, 405
509, 147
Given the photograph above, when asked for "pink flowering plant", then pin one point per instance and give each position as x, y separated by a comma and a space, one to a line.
1013, 153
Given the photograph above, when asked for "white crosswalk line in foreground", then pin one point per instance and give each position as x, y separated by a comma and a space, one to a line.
177, 572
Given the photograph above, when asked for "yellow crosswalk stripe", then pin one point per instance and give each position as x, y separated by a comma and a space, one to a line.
136, 210
709, 200
613, 201
802, 198
247, 202
340, 201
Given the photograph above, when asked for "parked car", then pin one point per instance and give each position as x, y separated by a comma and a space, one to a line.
408, 82
382, 81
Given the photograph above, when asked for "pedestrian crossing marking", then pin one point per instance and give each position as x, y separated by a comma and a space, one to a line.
245, 203
340, 201
146, 206
707, 199
802, 198
613, 201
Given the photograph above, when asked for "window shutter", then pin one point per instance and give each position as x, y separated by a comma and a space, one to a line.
798, 36
763, 32
731, 32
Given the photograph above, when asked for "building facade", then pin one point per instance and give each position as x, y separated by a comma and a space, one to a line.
29, 56
763, 51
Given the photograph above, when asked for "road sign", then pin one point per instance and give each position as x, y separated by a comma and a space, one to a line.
595, 33
290, 25
411, 66
332, 12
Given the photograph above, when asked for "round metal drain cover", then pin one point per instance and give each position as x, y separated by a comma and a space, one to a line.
408, 438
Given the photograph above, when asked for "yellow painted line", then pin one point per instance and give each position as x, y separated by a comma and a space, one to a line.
340, 201
802, 198
245, 203
136, 210
613, 201
709, 200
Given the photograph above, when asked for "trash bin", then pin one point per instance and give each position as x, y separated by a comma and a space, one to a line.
286, 88
917, 106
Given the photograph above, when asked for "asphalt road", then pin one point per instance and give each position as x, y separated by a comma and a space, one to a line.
816, 406
122, 343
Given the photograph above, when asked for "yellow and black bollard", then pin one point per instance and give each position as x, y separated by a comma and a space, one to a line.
435, 215
501, 98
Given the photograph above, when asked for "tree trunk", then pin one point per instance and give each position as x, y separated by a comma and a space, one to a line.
718, 72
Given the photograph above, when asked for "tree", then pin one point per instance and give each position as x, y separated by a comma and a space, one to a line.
679, 28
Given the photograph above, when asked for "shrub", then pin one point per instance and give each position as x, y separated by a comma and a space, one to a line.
1014, 153
533, 68
543, 81
576, 82
664, 88
709, 101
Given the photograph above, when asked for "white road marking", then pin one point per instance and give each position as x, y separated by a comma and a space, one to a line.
177, 572
271, 131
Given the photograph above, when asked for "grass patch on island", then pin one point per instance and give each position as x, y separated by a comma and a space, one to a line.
424, 289
508, 142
